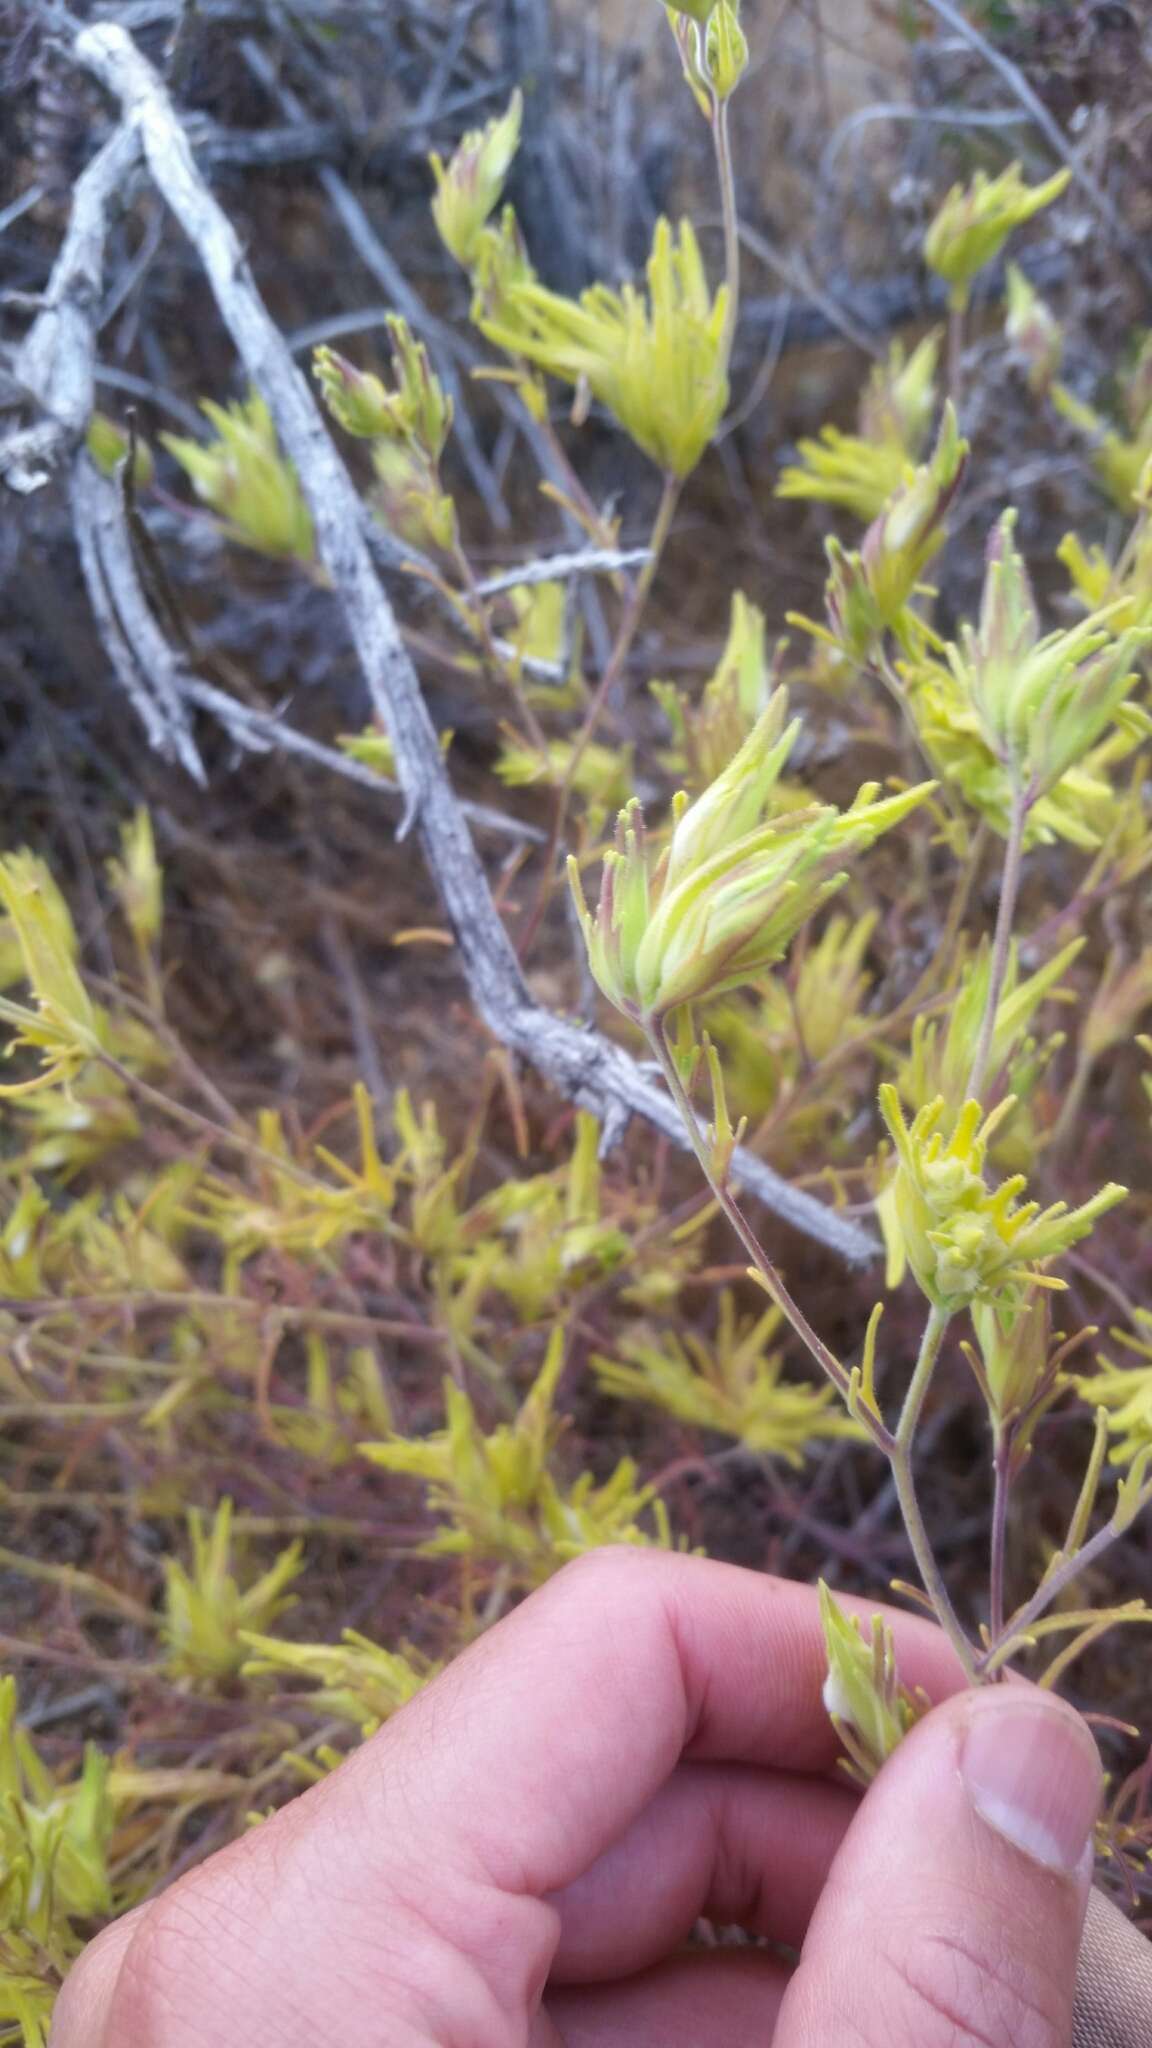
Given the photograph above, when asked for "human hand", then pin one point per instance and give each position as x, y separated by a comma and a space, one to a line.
516, 1860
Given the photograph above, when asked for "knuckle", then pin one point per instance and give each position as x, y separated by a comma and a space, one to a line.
180, 1957
944, 1992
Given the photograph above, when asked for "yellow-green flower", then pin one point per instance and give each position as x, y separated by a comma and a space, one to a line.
861, 471
246, 480
964, 1240
355, 1679
470, 184
658, 361
496, 1494
733, 1384
975, 220
55, 1843
1120, 453
943, 1048
868, 588
709, 731
138, 880
1041, 701
902, 540
408, 496
1032, 329
66, 1026
731, 888
207, 1610
416, 411
1126, 1392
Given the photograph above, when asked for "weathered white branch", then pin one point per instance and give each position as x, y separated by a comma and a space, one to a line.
585, 1067
144, 664
563, 568
156, 677
56, 361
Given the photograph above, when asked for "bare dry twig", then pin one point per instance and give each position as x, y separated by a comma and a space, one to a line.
583, 1066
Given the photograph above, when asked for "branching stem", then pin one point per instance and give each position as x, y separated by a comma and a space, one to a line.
897, 1448
1001, 1650
900, 1457
774, 1285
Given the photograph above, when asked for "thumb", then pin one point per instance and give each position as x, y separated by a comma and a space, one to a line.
952, 1914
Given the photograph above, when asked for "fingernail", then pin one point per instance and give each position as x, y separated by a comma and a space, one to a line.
1032, 1772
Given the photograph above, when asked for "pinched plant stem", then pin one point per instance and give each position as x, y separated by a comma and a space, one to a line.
900, 1458
896, 1448
1002, 942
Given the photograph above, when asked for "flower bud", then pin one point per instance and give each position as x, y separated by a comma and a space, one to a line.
975, 221
416, 410
246, 480
1013, 1337
1033, 330
725, 48
1041, 702
853, 614
868, 1707
901, 542
730, 892
469, 186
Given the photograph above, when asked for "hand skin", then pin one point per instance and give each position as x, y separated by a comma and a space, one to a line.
517, 1859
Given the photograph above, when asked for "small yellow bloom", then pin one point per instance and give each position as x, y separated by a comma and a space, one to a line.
416, 411
975, 221
469, 186
657, 361
246, 480
733, 1384
206, 1610
1126, 1392
138, 880
1033, 331
66, 1026
1041, 701
731, 889
861, 471
964, 1240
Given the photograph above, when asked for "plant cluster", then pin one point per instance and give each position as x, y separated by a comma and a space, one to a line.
409, 1336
